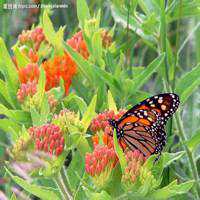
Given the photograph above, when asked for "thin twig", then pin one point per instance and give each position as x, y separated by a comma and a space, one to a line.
188, 152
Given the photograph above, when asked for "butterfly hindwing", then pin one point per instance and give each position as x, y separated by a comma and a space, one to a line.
142, 127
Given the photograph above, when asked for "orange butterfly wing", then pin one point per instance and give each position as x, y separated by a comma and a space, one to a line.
142, 127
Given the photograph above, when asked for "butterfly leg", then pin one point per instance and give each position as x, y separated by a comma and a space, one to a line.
157, 158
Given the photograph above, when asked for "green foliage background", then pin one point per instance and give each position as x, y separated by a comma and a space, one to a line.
157, 49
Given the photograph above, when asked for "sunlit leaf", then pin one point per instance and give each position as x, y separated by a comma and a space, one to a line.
121, 18
22, 59
111, 102
38, 191
82, 12
194, 141
89, 113
143, 77
188, 83
171, 190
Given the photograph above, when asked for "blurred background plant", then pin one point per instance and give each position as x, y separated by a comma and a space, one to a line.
134, 48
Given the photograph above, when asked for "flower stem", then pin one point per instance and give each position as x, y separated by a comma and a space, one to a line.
189, 153
64, 190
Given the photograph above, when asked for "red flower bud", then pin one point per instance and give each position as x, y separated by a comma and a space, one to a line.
44, 137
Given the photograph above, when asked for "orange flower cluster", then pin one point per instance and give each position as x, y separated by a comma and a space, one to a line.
60, 67
29, 73
56, 68
63, 66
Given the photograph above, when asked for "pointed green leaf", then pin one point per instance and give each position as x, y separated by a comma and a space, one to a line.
89, 113
119, 152
7, 66
82, 12
22, 60
194, 141
38, 191
54, 38
111, 102
9, 71
74, 99
144, 76
10, 127
97, 49
84, 66
188, 83
121, 18
171, 190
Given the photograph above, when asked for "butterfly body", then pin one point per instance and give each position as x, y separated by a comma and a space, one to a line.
142, 127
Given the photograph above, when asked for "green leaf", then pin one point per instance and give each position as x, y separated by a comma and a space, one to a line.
82, 12
111, 102
7, 66
37, 118
188, 9
13, 197
89, 113
171, 190
10, 127
120, 16
150, 24
119, 152
194, 141
103, 195
53, 38
39, 191
97, 49
168, 158
9, 71
143, 77
108, 78
165, 160
188, 83
72, 99
18, 116
4, 92
22, 60
84, 66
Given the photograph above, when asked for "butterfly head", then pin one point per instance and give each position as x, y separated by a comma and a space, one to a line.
113, 123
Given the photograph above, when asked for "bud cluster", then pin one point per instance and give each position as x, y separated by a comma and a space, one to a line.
20, 147
78, 44
36, 36
48, 138
99, 164
106, 38
100, 122
26, 90
33, 56
68, 121
135, 160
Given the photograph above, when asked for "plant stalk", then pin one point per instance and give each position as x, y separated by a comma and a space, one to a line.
64, 190
189, 153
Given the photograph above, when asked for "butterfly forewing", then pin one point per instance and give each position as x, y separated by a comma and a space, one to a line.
143, 125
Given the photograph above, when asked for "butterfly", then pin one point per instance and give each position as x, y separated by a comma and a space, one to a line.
142, 127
